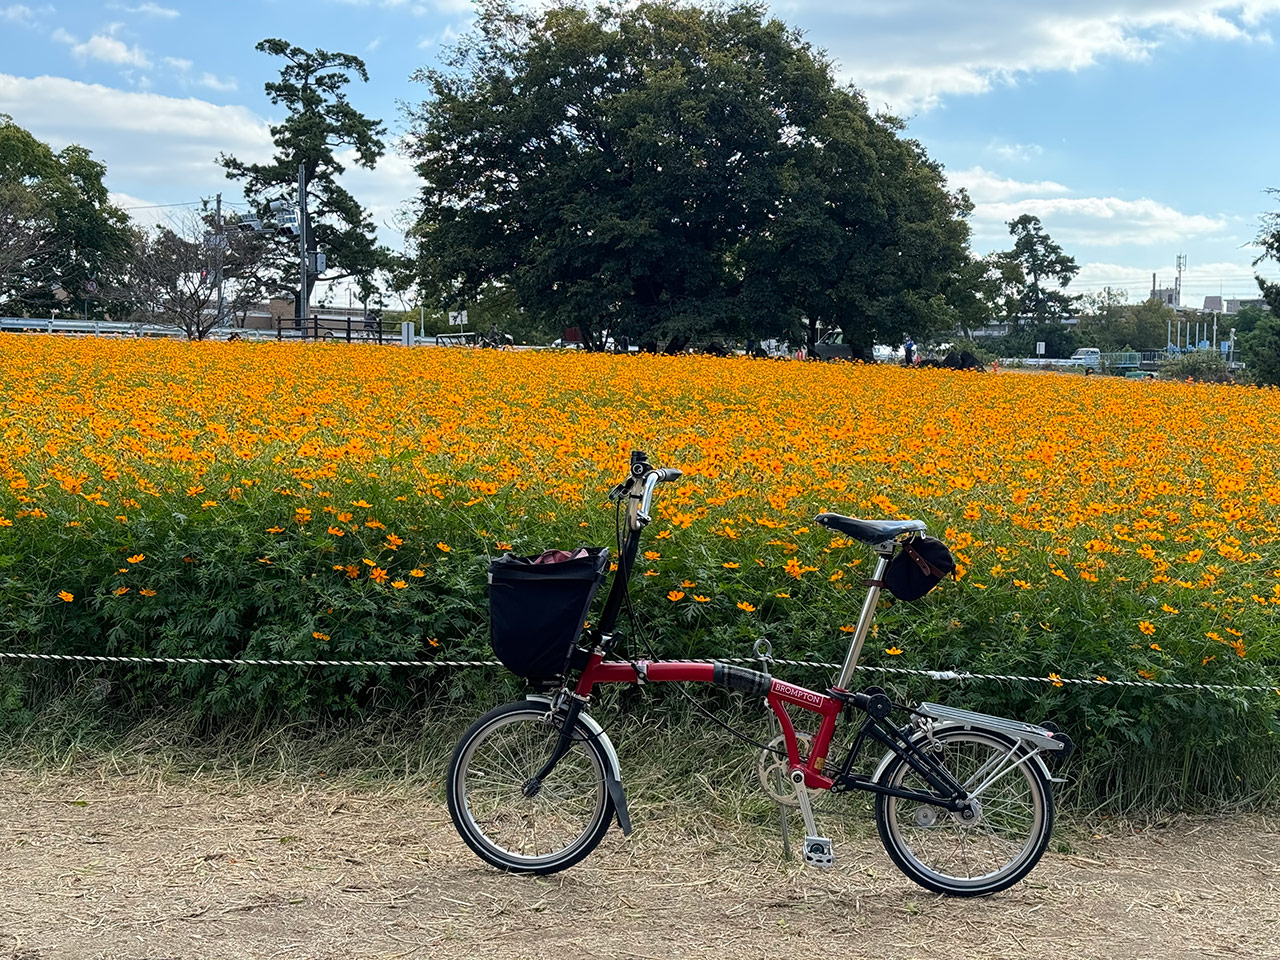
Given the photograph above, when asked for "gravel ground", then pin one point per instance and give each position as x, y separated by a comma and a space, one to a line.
145, 867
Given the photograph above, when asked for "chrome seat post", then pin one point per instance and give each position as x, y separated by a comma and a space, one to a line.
884, 552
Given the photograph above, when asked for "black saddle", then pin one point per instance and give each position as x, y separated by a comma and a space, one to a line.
869, 531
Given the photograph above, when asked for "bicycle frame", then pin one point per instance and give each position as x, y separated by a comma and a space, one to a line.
778, 694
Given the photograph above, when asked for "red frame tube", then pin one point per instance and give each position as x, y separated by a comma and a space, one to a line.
780, 695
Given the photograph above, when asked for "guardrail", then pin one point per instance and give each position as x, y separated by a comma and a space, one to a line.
115, 328
97, 328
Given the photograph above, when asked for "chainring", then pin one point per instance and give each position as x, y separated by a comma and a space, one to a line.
774, 769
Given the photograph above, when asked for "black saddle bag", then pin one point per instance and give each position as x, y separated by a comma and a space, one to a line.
919, 565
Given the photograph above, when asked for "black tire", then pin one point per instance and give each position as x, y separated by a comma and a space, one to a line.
1011, 831
490, 765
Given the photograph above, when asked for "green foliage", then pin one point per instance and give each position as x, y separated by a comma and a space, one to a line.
228, 585
320, 122
58, 228
1034, 261
1203, 366
1060, 341
663, 171
1117, 327
1260, 349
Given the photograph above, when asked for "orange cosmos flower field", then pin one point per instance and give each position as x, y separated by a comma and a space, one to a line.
335, 501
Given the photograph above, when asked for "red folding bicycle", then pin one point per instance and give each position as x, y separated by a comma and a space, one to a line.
963, 800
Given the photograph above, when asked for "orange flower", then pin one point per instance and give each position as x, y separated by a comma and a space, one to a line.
443, 546
892, 651
399, 584
336, 532
730, 565
378, 575
1056, 679
1147, 627
147, 592
701, 599
137, 558
417, 573
320, 636
66, 595
743, 605
675, 595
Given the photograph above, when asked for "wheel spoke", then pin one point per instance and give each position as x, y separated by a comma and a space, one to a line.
948, 852
518, 831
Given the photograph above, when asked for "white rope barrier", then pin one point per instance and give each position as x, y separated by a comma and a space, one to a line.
940, 675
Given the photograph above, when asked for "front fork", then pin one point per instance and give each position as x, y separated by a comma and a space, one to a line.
568, 707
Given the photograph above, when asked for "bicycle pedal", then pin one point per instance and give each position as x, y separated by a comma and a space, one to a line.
818, 852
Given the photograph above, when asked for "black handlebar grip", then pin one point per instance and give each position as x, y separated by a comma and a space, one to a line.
667, 474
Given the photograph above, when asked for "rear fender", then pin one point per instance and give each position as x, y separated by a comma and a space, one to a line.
942, 727
613, 776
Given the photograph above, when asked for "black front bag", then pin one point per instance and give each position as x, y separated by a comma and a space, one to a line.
920, 564
537, 610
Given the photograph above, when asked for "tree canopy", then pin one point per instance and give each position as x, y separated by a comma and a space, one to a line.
321, 124
58, 228
1027, 270
663, 170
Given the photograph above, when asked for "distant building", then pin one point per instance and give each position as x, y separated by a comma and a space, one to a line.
1169, 296
1232, 307
1213, 305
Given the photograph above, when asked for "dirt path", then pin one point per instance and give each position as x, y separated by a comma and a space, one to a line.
136, 868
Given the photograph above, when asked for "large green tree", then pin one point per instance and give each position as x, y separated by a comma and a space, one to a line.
1260, 343
320, 124
1036, 273
667, 171
60, 236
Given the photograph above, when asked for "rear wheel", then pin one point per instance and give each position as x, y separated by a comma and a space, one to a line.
1011, 821
552, 830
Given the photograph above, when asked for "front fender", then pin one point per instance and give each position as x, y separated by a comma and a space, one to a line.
940, 728
613, 776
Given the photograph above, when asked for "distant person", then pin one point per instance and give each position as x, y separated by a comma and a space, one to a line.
908, 351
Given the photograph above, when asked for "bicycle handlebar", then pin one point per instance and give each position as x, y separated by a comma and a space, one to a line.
644, 478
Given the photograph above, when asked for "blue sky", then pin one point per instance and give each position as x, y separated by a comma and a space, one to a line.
1135, 129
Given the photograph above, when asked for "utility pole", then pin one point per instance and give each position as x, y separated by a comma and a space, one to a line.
303, 295
221, 243
1177, 284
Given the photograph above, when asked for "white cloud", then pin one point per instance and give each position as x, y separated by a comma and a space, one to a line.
104, 47
179, 64
1104, 221
148, 10
1220, 278
143, 138
984, 186
450, 34
1017, 151
152, 143
18, 13
911, 54
213, 82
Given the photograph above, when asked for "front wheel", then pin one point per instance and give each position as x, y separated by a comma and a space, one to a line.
496, 757
1010, 825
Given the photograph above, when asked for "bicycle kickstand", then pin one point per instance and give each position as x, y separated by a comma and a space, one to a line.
817, 850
